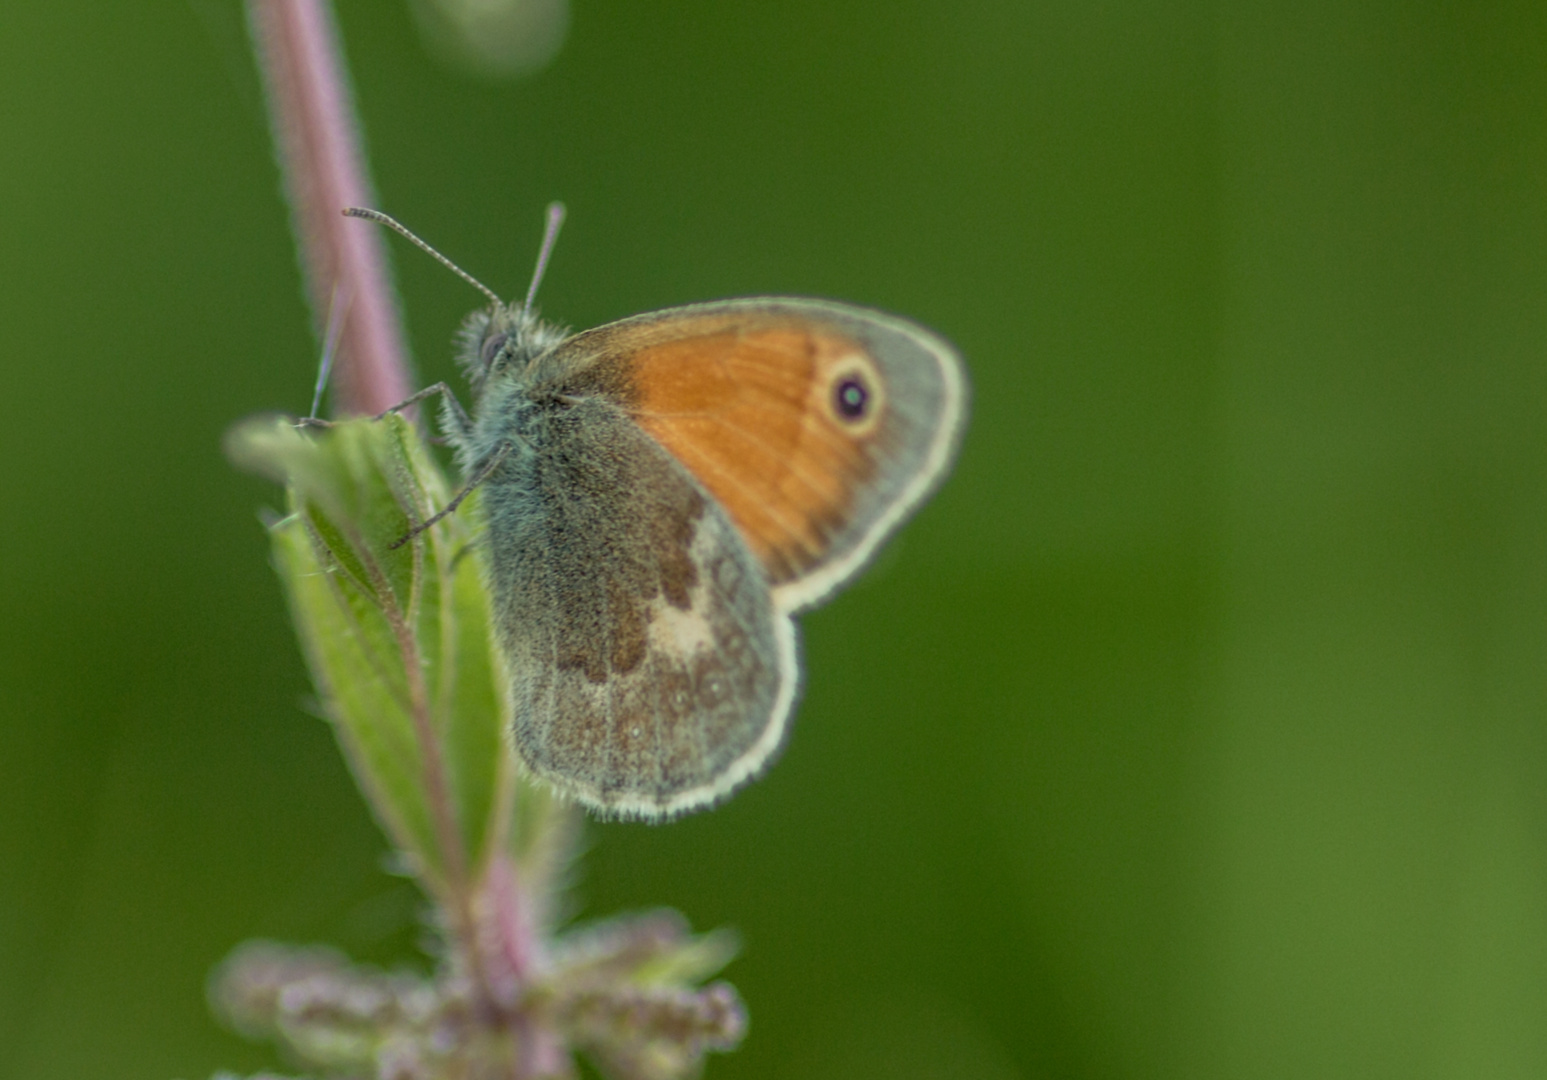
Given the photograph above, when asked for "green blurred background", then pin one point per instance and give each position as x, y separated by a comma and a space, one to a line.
1194, 730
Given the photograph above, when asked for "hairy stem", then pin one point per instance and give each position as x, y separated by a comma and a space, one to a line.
318, 145
317, 137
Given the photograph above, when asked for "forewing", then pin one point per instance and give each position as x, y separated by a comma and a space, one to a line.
745, 394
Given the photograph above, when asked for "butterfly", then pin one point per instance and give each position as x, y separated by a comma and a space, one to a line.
662, 495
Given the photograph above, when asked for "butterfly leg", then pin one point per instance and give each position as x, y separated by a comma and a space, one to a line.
455, 417
483, 473
463, 552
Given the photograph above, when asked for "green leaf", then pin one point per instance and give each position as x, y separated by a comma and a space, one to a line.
398, 639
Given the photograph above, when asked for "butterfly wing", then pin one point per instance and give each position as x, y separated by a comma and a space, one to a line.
650, 671
817, 426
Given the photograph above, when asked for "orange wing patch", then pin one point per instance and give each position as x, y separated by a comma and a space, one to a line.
776, 421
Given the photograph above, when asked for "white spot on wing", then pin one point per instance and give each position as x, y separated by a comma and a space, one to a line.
681, 633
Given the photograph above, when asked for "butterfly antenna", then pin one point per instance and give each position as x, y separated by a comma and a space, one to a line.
396, 226
550, 237
336, 312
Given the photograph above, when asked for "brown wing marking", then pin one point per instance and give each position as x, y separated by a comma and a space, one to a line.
750, 411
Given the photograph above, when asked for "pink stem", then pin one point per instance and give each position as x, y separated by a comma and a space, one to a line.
317, 136
515, 963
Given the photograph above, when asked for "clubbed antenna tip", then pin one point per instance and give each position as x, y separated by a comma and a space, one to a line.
550, 237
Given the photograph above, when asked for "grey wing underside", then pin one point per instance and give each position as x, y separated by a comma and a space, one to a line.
650, 671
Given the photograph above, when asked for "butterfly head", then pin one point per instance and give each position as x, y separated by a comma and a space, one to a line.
503, 338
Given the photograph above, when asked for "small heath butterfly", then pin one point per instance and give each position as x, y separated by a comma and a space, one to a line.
663, 494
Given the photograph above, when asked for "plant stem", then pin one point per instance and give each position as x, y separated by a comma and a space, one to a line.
456, 891
318, 146
319, 150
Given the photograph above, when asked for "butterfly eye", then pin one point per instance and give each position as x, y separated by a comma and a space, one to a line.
491, 349
851, 397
